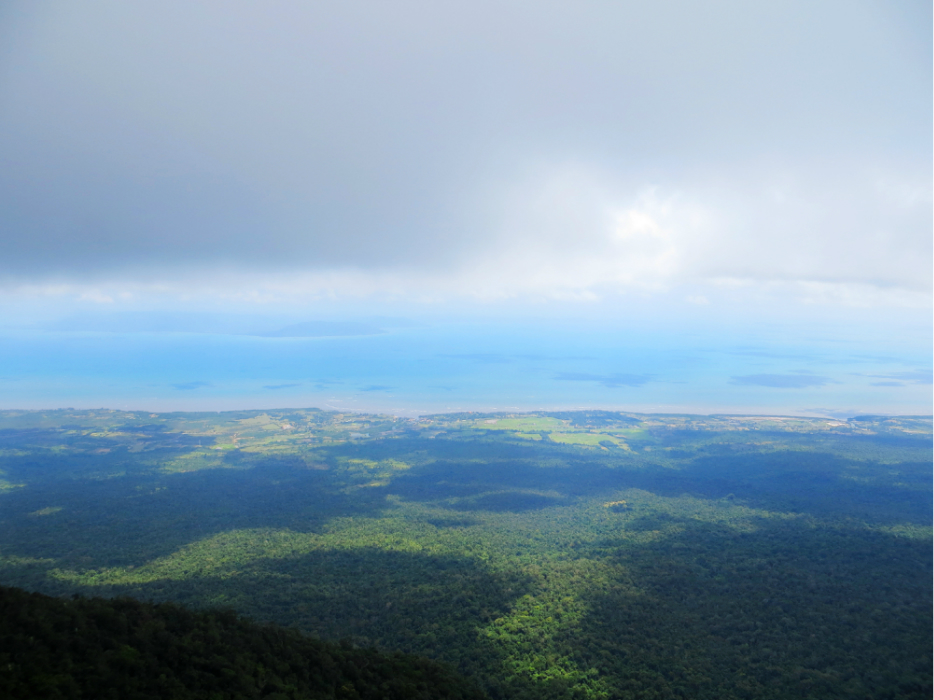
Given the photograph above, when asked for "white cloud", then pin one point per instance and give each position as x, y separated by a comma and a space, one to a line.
96, 296
581, 233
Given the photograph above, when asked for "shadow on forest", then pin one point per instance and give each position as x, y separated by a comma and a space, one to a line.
53, 454
798, 609
431, 605
143, 515
133, 519
792, 603
816, 483
820, 484
506, 502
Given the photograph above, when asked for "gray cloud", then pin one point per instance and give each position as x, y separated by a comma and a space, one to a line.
143, 139
782, 381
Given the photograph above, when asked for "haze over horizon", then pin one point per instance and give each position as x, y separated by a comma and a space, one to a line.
414, 207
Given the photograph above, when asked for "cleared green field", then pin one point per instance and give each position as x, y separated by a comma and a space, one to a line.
632, 433
591, 439
525, 423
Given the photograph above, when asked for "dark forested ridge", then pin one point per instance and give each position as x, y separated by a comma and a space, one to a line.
564, 555
127, 650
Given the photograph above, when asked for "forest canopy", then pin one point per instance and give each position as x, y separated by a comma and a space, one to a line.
127, 650
563, 555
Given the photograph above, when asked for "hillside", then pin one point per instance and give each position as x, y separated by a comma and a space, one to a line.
128, 650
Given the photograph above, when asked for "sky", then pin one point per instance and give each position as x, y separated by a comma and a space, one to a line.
704, 207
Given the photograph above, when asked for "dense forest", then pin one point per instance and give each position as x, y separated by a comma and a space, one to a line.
127, 650
564, 555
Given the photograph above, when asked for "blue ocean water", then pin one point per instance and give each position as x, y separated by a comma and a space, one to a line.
481, 366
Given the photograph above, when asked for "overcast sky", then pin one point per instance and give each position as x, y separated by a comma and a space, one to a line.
466, 150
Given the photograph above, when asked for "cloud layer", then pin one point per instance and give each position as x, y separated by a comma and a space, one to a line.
488, 149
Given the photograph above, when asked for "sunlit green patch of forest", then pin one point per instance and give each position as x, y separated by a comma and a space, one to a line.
561, 555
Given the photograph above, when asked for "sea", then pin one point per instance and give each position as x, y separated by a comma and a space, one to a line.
502, 365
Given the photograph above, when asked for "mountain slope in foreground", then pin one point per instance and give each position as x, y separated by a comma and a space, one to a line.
128, 650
